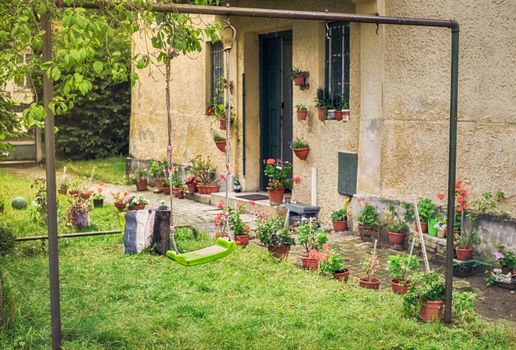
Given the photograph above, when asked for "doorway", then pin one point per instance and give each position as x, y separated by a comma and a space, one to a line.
275, 98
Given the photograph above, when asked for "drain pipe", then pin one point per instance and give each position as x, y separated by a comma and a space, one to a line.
243, 127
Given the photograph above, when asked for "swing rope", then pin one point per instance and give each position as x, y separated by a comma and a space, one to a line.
228, 46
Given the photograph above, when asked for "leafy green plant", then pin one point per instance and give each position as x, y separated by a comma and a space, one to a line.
141, 173
425, 286
301, 107
339, 215
368, 216
487, 204
394, 221
342, 101
310, 236
157, 168
203, 169
400, 267
469, 239
505, 257
296, 72
321, 98
371, 264
464, 307
218, 137
279, 173
334, 264
177, 182
426, 209
236, 224
7, 240
299, 143
271, 231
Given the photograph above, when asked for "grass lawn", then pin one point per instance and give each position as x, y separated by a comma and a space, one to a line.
244, 301
110, 170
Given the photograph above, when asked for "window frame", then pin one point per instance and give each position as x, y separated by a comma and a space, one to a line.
216, 72
339, 31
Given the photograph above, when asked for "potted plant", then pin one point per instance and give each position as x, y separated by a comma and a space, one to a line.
339, 220
271, 232
301, 148
400, 268
468, 239
298, 76
2, 205
220, 115
370, 264
426, 210
396, 225
136, 203
506, 259
220, 141
63, 187
425, 296
204, 171
98, 196
78, 213
177, 185
74, 188
157, 171
141, 178
191, 183
301, 111
367, 221
312, 239
280, 177
120, 199
209, 109
342, 112
334, 266
237, 226
321, 103
166, 186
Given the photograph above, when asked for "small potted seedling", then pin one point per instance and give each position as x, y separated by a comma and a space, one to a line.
400, 268
321, 104
396, 225
177, 185
426, 210
301, 148
237, 226
141, 179
425, 297
335, 267
339, 219
342, 112
271, 232
467, 241
371, 264
120, 199
367, 221
298, 76
301, 111
220, 141
98, 196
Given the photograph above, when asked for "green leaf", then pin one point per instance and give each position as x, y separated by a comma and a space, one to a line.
98, 67
76, 55
85, 87
56, 73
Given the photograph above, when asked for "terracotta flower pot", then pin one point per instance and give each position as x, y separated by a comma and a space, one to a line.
399, 288
340, 226
166, 189
431, 310
299, 80
191, 188
345, 115
424, 226
62, 190
220, 234
242, 240
341, 276
209, 111
276, 195
86, 194
221, 145
309, 263
209, 189
373, 284
137, 207
178, 193
141, 185
463, 254
302, 153
338, 115
396, 238
73, 192
120, 206
158, 183
280, 251
222, 124
321, 112
302, 114
365, 232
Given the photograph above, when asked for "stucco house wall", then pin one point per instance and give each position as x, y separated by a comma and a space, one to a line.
399, 80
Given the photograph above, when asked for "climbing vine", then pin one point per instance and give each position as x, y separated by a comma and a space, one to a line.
80, 37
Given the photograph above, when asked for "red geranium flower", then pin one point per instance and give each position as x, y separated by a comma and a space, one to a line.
296, 180
271, 161
440, 196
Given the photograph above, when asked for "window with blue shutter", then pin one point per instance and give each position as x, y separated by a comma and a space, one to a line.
217, 74
337, 61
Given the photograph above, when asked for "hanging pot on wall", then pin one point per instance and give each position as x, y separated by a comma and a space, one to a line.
302, 153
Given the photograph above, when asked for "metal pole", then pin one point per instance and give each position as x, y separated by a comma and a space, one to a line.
452, 158
53, 251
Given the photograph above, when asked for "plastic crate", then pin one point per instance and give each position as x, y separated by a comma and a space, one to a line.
470, 267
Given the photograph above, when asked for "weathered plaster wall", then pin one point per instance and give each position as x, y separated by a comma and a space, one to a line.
416, 100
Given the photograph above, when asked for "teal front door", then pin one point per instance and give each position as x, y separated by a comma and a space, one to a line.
275, 98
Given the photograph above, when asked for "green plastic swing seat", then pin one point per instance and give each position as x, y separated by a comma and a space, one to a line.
220, 249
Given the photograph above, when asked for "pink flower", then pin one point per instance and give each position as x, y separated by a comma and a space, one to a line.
296, 180
498, 255
222, 177
271, 161
247, 229
252, 203
458, 184
440, 196
460, 209
220, 204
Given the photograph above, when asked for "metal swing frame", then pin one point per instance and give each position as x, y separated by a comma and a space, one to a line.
452, 25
